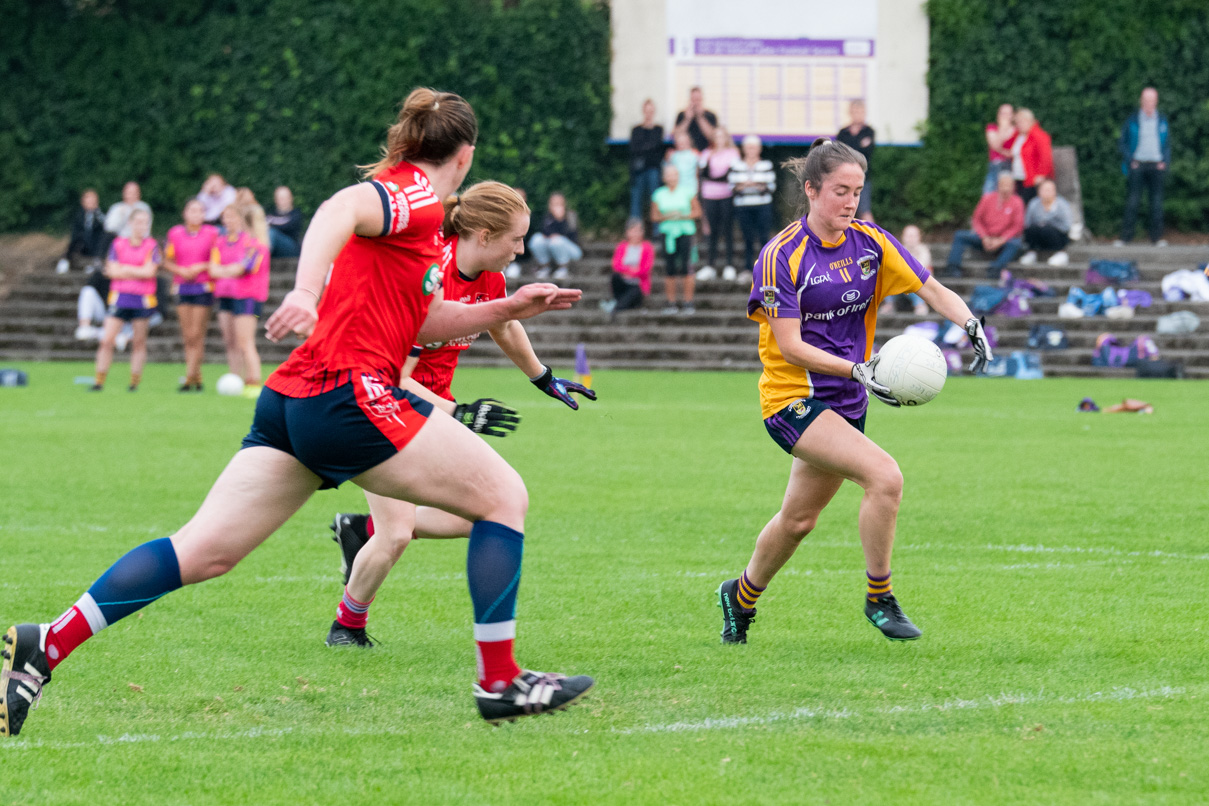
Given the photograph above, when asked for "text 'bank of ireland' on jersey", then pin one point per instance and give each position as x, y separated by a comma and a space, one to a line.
834, 290
379, 293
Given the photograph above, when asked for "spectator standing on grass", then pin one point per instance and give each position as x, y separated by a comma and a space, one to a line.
912, 240
240, 265
718, 203
187, 251
696, 121
131, 268
285, 225
1000, 136
117, 220
1146, 157
632, 262
646, 155
859, 136
998, 223
755, 181
87, 232
216, 195
558, 239
677, 211
1032, 155
1047, 223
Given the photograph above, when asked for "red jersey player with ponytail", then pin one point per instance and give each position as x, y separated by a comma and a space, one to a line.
332, 413
486, 227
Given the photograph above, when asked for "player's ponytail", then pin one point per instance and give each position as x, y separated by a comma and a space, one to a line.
486, 206
432, 125
823, 158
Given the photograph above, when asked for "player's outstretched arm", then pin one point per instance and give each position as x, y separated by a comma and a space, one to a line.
452, 320
356, 210
514, 341
948, 304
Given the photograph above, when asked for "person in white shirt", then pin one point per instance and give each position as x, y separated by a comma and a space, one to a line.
755, 181
117, 219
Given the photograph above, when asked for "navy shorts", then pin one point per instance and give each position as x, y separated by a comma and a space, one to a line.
245, 306
787, 425
206, 299
129, 314
341, 433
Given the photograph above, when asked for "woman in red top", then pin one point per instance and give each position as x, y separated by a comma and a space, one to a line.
332, 413
488, 224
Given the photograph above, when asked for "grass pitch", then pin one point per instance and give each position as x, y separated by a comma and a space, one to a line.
1055, 561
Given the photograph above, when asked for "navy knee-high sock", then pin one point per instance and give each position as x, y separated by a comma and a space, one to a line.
493, 571
143, 575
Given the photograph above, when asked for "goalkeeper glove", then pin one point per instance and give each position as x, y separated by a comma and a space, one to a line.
982, 347
561, 388
488, 417
863, 374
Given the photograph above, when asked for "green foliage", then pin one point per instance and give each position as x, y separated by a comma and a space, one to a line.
300, 92
1080, 65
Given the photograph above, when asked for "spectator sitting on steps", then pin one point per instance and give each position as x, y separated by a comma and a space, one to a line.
117, 220
285, 225
216, 195
558, 239
997, 225
632, 262
1047, 226
87, 232
912, 241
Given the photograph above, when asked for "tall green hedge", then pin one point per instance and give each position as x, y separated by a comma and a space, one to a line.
299, 91
95, 92
1080, 65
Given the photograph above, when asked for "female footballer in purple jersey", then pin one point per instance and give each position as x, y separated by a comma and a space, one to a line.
818, 285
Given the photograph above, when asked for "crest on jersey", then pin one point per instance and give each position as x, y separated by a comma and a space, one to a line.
868, 265
770, 295
432, 280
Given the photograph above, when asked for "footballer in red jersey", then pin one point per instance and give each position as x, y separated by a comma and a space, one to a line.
486, 228
333, 412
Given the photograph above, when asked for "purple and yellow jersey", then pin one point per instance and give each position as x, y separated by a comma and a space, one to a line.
188, 249
835, 290
124, 252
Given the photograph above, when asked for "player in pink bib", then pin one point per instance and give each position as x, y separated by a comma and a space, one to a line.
187, 256
240, 264
131, 268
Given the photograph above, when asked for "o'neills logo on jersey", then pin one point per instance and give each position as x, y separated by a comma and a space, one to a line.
432, 280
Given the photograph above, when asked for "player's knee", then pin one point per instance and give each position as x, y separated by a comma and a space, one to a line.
798, 526
393, 542
887, 483
508, 502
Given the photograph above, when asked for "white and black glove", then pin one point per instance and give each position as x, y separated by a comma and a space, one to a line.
488, 417
863, 374
982, 347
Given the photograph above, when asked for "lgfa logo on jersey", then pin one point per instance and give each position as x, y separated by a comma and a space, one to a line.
432, 280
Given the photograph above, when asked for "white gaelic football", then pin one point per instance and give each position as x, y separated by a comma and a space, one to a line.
913, 368
230, 385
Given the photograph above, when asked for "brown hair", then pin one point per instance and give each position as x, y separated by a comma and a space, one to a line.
824, 157
432, 125
489, 206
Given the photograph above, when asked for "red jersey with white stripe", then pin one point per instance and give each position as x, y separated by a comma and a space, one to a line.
439, 359
378, 295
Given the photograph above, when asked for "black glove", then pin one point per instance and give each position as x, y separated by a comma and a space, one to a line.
488, 417
863, 374
982, 347
561, 388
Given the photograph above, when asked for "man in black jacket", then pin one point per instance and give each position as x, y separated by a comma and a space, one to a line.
88, 234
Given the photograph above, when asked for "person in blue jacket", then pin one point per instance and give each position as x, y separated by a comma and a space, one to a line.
1145, 160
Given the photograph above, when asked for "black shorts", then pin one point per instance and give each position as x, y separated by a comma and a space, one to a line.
245, 306
341, 433
129, 314
206, 299
787, 425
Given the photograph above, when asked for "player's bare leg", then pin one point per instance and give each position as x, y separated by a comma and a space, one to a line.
245, 340
138, 351
105, 346
226, 326
257, 492
447, 467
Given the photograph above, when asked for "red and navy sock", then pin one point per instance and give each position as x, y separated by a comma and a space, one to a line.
351, 613
142, 575
493, 571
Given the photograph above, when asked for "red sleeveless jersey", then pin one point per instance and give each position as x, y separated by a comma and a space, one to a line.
378, 295
438, 360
